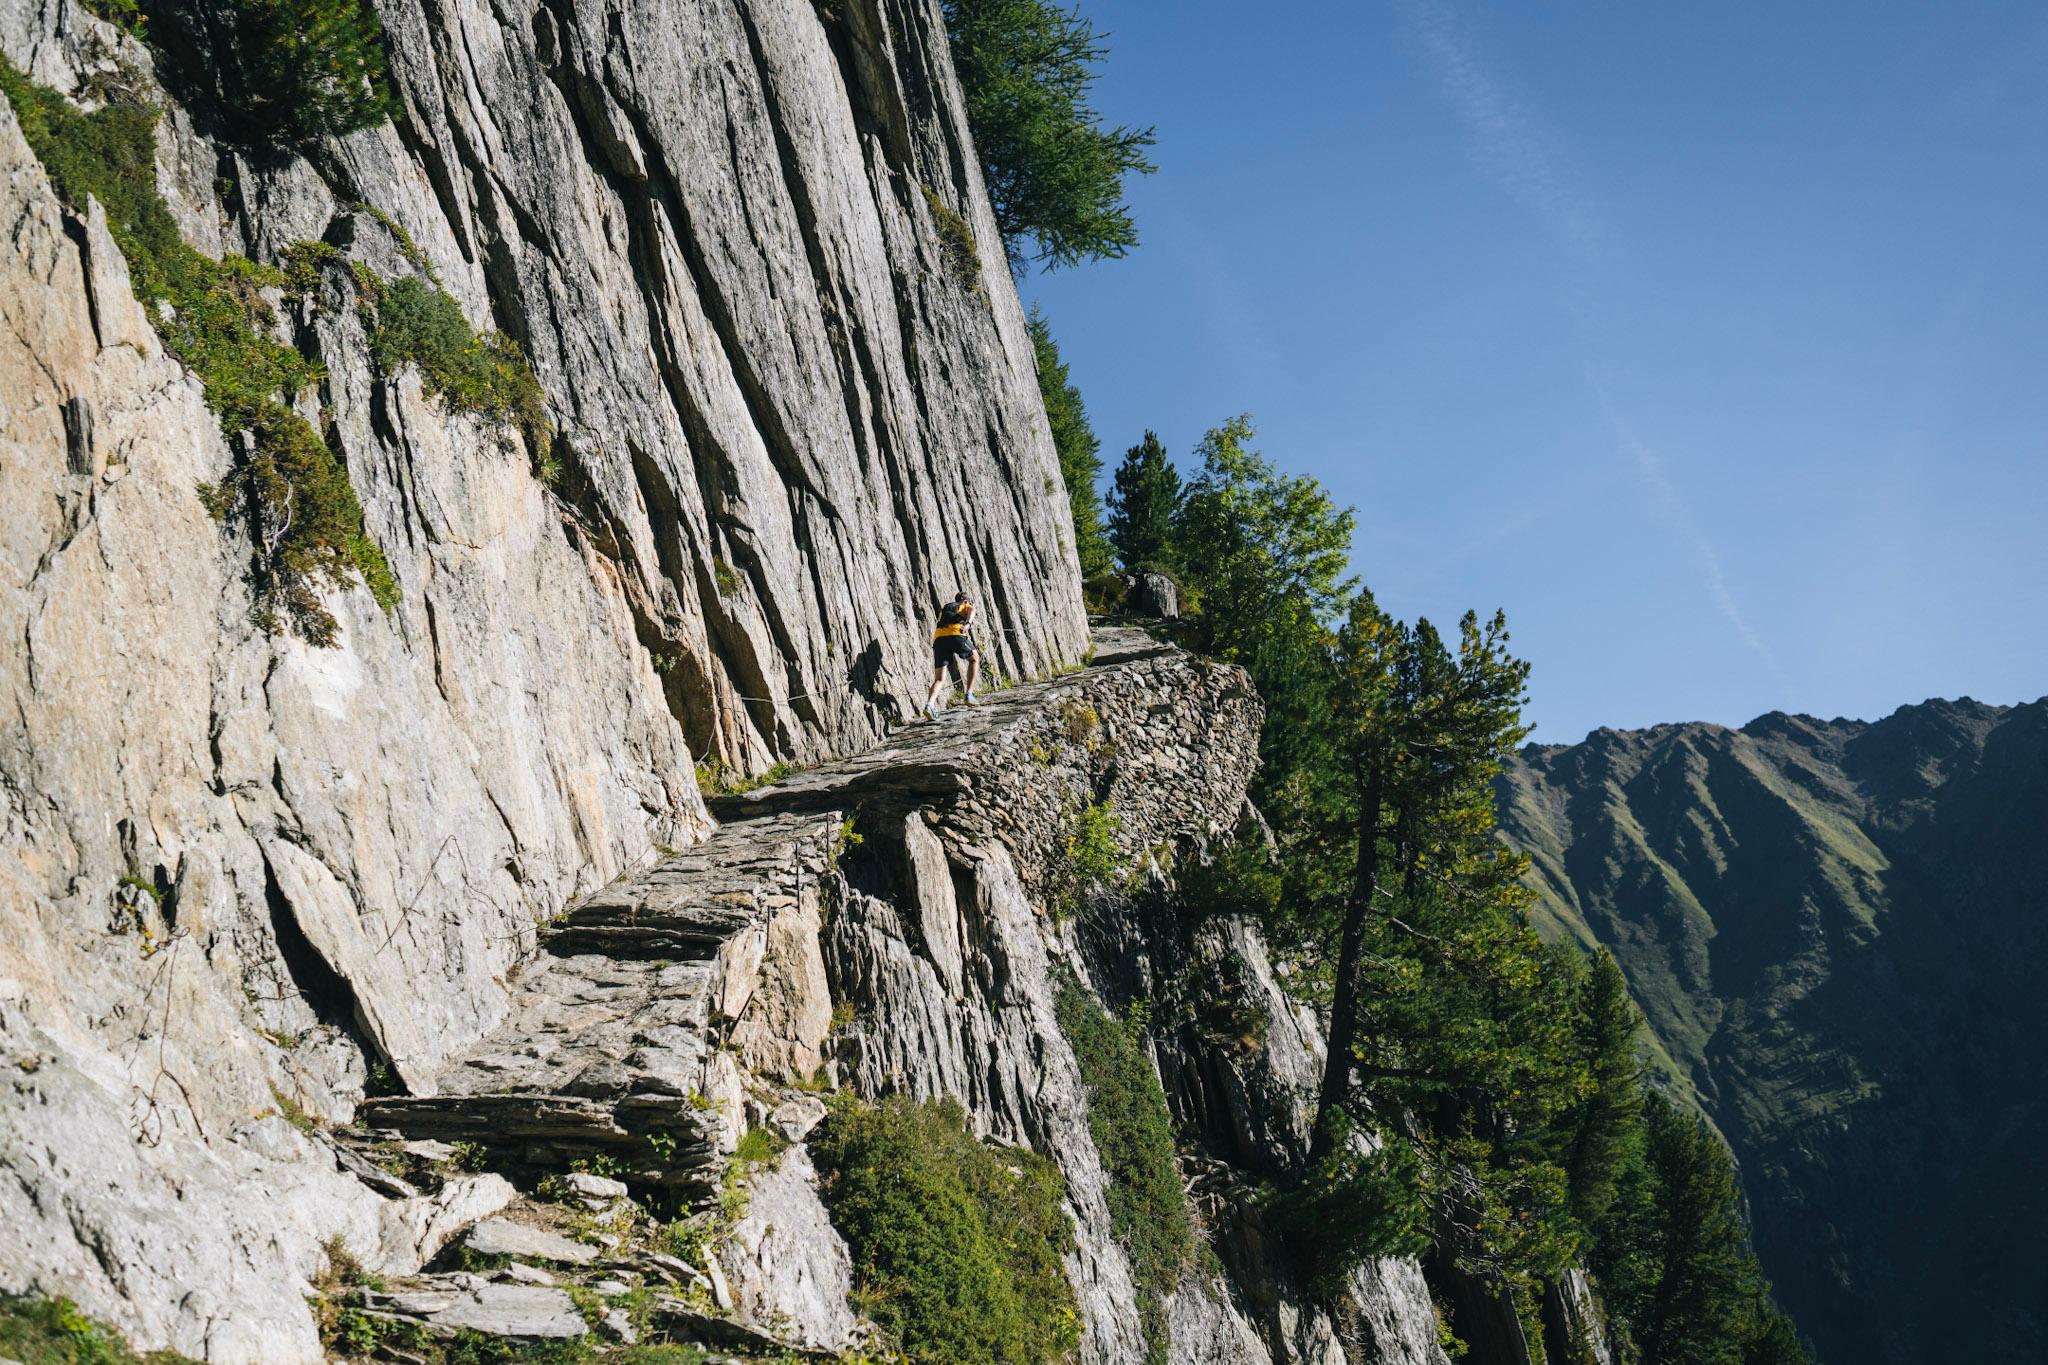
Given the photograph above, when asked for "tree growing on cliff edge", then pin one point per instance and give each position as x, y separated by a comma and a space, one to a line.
1142, 504
1078, 447
1680, 1283
1265, 554
1054, 173
277, 71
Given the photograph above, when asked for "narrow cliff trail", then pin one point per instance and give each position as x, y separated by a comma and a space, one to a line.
609, 1046
825, 935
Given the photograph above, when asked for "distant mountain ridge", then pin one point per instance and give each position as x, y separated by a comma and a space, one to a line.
1836, 930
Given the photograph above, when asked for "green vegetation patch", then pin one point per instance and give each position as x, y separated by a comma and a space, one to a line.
1078, 448
124, 14
54, 1332
279, 71
1133, 1132
957, 246
957, 1246
486, 373
286, 483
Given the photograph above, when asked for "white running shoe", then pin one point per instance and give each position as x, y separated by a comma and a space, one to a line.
932, 711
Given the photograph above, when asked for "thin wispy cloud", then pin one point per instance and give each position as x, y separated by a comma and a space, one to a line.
2014, 71
1514, 148
1666, 500
1510, 144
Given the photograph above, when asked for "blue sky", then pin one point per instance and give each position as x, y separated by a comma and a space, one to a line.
1711, 341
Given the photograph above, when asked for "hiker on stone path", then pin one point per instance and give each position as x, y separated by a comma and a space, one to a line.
951, 641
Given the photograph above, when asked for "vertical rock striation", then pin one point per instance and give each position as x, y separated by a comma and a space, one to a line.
246, 879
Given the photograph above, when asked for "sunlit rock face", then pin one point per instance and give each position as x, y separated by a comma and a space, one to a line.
784, 424
269, 910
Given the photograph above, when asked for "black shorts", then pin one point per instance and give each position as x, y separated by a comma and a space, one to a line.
947, 648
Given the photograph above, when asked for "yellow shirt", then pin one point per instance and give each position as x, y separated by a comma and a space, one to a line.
959, 627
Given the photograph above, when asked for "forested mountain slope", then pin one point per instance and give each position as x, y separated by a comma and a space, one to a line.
1836, 931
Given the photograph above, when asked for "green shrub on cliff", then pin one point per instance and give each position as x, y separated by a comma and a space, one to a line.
1075, 441
1133, 1133
289, 488
54, 1332
957, 1246
278, 71
484, 373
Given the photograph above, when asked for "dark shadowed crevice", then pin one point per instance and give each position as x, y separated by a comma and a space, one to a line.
324, 990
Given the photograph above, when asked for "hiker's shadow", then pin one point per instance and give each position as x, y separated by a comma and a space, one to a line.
866, 677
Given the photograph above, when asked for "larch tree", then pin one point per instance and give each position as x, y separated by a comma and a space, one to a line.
1055, 173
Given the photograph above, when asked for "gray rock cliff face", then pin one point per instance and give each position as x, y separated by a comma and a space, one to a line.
786, 427
247, 882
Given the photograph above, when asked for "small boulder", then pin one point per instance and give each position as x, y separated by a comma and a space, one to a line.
594, 1191
1152, 594
503, 1237
525, 1311
796, 1117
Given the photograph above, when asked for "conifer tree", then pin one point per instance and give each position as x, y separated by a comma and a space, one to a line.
1606, 1127
1680, 1283
1055, 174
1423, 733
1701, 1286
1142, 505
1078, 447
1264, 554
279, 71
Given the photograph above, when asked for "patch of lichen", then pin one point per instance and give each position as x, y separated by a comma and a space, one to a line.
286, 485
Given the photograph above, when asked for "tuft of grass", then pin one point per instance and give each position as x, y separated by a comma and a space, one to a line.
341, 1269
483, 373
725, 577
714, 778
758, 1146
1081, 723
957, 247
54, 1332
1133, 1132
289, 487
145, 886
958, 1246
289, 1110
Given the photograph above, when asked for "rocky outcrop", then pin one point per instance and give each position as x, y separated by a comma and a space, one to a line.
247, 879
915, 895
319, 956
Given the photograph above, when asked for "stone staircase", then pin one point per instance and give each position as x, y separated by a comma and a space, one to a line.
607, 1047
